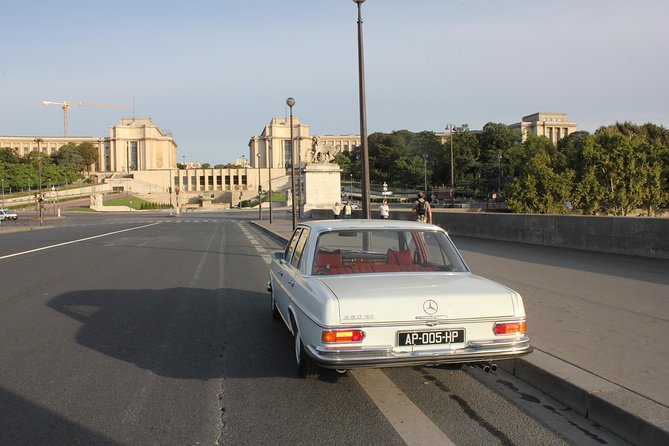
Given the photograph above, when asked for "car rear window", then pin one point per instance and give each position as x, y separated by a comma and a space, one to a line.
385, 251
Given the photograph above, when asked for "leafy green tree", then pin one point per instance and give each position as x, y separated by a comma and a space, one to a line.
584, 156
69, 155
8, 155
466, 153
89, 154
496, 142
541, 185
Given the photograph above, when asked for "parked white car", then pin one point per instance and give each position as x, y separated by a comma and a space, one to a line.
6, 214
383, 293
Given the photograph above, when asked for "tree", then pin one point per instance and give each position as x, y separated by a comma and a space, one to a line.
466, 153
69, 155
541, 186
584, 156
89, 154
496, 142
9, 155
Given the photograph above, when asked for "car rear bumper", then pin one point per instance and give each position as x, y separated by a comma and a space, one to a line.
474, 351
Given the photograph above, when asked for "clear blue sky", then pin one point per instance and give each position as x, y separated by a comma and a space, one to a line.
215, 72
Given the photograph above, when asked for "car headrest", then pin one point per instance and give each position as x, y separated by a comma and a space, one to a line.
403, 257
329, 259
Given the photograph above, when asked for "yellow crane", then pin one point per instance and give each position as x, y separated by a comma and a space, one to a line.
67, 104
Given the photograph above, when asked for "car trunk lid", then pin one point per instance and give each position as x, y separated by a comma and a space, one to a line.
411, 297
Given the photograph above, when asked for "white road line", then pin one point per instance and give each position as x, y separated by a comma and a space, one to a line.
414, 426
75, 241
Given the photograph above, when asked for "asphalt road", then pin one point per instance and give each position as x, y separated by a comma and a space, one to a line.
145, 329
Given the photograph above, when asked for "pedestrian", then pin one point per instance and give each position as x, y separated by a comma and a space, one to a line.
348, 210
384, 210
421, 209
336, 210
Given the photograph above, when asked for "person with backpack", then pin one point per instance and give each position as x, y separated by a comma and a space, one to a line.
421, 209
348, 210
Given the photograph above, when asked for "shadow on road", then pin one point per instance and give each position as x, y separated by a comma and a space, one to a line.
23, 422
183, 333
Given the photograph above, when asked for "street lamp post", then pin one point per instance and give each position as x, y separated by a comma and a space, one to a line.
39, 198
363, 119
450, 132
259, 189
350, 195
425, 172
291, 102
3, 192
269, 172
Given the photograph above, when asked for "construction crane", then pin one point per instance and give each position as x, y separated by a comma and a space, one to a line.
66, 105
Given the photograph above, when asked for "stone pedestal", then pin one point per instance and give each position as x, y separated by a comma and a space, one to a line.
322, 187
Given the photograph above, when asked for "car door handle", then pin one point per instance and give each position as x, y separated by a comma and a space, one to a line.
291, 283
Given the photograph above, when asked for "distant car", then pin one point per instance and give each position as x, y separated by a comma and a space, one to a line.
6, 214
383, 293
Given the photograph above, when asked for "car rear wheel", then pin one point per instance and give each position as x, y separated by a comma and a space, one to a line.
306, 368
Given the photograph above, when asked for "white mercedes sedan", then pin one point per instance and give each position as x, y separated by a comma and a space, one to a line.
386, 293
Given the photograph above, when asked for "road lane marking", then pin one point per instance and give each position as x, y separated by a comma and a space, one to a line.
75, 241
414, 426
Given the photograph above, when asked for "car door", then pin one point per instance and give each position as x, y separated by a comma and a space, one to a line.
283, 275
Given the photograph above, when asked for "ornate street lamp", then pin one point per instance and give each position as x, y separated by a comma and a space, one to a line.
365, 189
291, 102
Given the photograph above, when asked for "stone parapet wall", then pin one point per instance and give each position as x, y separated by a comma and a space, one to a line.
637, 236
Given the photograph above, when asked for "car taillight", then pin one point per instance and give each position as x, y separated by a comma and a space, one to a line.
505, 328
333, 336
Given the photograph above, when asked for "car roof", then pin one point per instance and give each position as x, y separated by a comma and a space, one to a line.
360, 224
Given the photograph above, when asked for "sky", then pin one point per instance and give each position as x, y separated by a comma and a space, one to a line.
214, 73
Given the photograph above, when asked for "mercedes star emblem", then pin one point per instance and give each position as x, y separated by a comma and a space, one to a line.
430, 306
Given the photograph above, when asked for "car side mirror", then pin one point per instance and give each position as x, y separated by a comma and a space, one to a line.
279, 256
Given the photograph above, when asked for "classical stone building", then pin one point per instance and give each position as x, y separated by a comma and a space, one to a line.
133, 144
272, 147
553, 126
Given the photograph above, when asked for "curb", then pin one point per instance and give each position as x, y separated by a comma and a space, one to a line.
627, 414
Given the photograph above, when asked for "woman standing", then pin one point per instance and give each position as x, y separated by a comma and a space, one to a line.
384, 210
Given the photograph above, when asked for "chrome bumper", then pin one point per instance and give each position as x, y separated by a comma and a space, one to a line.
354, 357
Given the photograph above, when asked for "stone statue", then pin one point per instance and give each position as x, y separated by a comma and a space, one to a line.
322, 153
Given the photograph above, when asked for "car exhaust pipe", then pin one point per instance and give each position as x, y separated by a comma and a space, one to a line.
487, 366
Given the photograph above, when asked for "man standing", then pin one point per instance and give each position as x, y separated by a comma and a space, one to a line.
348, 210
421, 209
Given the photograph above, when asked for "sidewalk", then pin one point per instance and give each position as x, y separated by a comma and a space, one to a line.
629, 415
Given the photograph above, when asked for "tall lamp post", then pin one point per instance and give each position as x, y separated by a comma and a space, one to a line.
39, 198
425, 172
3, 192
363, 119
269, 172
450, 134
259, 189
291, 102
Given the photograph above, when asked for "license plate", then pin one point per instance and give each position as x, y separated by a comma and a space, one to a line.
433, 337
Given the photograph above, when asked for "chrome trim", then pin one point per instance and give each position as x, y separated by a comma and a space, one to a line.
389, 356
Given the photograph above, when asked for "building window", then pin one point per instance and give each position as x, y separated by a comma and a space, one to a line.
133, 156
286, 153
218, 180
227, 180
